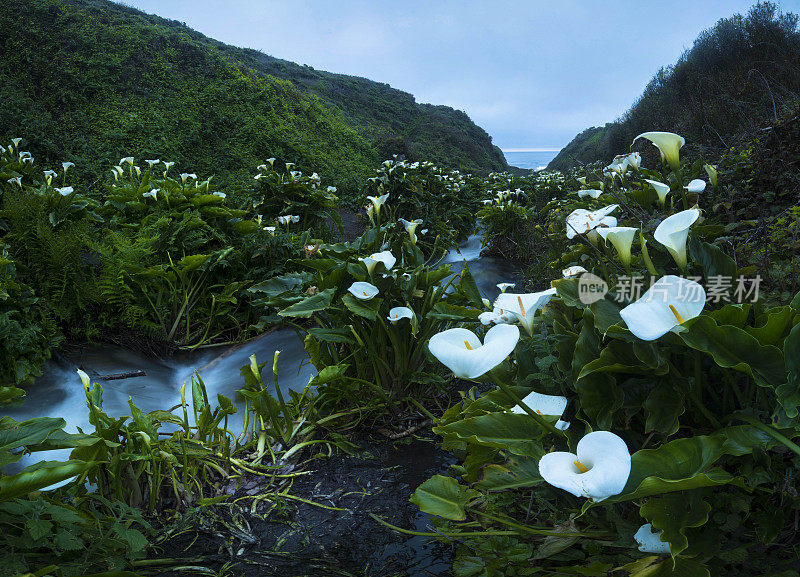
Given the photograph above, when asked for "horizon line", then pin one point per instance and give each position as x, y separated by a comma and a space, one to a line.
530, 149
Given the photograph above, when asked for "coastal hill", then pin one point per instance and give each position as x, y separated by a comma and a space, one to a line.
91, 81
739, 76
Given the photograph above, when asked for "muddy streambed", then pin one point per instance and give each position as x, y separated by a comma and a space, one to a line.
302, 538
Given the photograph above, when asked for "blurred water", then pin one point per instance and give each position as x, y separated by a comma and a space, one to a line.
59, 391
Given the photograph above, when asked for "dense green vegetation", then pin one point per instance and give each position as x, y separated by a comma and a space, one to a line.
740, 75
90, 81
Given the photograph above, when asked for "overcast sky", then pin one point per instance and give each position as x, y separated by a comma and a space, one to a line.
533, 73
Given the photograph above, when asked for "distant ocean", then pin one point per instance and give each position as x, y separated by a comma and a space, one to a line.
535, 158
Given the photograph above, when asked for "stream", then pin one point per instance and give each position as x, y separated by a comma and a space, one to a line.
59, 392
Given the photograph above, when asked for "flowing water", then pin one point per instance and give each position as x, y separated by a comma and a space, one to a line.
396, 469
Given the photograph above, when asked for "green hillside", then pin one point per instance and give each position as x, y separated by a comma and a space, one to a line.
91, 81
739, 76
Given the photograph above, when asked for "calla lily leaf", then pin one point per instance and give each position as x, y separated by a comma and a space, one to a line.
672, 514
40, 476
715, 263
443, 496
517, 472
509, 431
679, 465
734, 348
364, 308
310, 305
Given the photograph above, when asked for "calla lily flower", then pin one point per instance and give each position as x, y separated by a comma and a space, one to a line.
669, 145
271, 161
547, 405
363, 290
270, 229
411, 227
66, 165
16, 180
504, 286
496, 317
49, 174
622, 239
386, 257
378, 202
634, 159
150, 163
598, 469
186, 175
650, 542
711, 170
398, 313
152, 194
16, 141
590, 192
461, 351
219, 194
524, 306
65, 191
662, 190
673, 232
582, 180
286, 219
671, 301
573, 271
581, 221
696, 186
128, 159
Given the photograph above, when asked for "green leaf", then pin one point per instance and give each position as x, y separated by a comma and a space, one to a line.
734, 348
449, 312
38, 528
715, 263
673, 513
515, 473
66, 541
363, 308
678, 567
789, 393
39, 476
664, 405
469, 288
675, 466
514, 432
308, 306
443, 496
776, 325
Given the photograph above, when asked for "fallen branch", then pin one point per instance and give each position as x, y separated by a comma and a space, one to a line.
118, 376
407, 432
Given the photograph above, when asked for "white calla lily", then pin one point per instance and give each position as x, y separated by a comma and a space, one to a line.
128, 159
411, 227
378, 202
16, 141
671, 301
598, 469
590, 192
16, 180
546, 405
397, 313
662, 190
371, 261
363, 290
668, 143
49, 174
650, 541
582, 180
288, 218
504, 286
461, 351
270, 229
524, 306
622, 239
696, 186
152, 194
66, 165
573, 271
581, 221
220, 194
65, 190
673, 231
